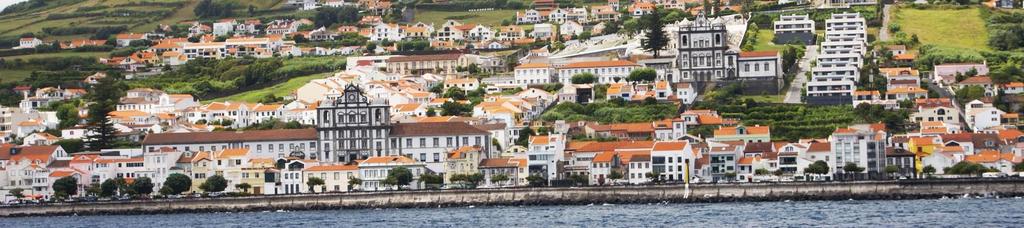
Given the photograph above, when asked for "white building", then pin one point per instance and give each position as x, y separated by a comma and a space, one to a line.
374, 170
981, 116
605, 71
533, 73
30, 42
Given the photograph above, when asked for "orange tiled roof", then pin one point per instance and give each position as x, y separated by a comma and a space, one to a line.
591, 64
332, 168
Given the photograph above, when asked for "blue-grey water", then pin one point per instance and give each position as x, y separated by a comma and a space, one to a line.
1006, 212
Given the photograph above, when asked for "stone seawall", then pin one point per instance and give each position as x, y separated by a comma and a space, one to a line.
544, 196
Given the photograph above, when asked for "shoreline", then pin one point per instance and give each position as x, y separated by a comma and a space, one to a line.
825, 191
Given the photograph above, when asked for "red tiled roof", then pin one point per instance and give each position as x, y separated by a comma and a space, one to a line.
229, 136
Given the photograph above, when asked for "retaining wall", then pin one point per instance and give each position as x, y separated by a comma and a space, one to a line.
543, 196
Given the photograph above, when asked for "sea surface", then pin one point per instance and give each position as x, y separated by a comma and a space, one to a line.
970, 212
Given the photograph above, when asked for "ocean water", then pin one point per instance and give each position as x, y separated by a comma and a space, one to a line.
1005, 212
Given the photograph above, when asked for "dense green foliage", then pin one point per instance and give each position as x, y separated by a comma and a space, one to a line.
398, 177
215, 9
215, 183
329, 16
968, 168
1006, 31
818, 167
104, 97
206, 78
583, 78
65, 187
142, 186
655, 37
178, 183
615, 111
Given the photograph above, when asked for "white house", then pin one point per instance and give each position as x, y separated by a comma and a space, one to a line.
30, 42
981, 116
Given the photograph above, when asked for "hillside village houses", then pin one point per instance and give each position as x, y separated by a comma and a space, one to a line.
372, 117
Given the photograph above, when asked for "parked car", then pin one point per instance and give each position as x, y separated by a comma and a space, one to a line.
993, 175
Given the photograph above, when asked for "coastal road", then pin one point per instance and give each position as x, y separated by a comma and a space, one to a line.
793, 94
883, 32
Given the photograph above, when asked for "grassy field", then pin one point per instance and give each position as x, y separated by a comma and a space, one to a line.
14, 75
34, 21
765, 98
764, 41
60, 54
279, 90
483, 17
962, 28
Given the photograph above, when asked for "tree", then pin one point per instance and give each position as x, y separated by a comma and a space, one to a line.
851, 167
215, 183
166, 191
17, 193
93, 190
578, 179
499, 178
431, 180
109, 188
536, 181
654, 176
970, 93
142, 186
313, 182
615, 175
431, 112
730, 176
401, 175
656, 38
450, 108
71, 145
928, 170
524, 136
1018, 167
762, 171
583, 78
891, 170
818, 167
244, 187
65, 187
178, 183
455, 93
104, 95
642, 74
352, 183
68, 115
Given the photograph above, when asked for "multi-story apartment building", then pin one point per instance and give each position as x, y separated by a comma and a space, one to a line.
794, 28
862, 145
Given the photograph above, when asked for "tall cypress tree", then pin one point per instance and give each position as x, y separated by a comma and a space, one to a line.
655, 39
104, 97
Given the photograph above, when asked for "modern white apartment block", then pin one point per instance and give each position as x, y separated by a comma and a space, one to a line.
846, 25
794, 28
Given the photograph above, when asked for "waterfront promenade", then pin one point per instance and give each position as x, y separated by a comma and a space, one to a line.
914, 189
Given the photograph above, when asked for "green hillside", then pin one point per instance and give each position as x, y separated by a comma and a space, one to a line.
65, 19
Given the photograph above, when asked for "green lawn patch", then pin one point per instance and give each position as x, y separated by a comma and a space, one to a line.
278, 90
492, 18
60, 54
959, 28
765, 98
14, 75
